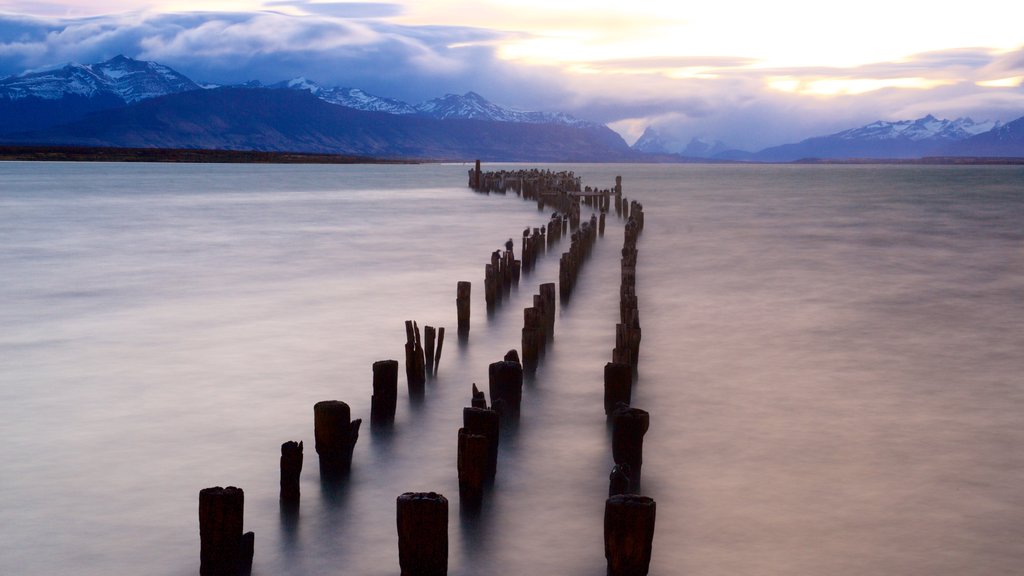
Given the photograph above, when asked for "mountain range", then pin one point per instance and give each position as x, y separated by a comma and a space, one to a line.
124, 102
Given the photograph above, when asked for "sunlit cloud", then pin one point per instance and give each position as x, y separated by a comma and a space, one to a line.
850, 86
1012, 82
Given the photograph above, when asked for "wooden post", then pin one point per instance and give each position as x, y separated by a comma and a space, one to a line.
415, 369
462, 306
506, 384
547, 292
628, 534
512, 356
423, 534
628, 428
224, 550
479, 400
476, 174
385, 392
618, 480
336, 435
484, 422
291, 469
429, 337
531, 339
618, 385
472, 465
440, 344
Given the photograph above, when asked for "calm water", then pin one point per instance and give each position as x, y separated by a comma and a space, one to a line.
832, 360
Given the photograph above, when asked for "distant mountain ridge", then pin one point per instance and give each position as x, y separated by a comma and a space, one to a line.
121, 77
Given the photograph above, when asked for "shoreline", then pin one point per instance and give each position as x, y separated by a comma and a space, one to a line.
29, 153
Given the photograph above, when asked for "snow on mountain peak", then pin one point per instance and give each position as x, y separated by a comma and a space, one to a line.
927, 128
128, 79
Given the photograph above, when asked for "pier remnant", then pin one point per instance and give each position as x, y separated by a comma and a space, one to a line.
628, 428
224, 549
618, 385
422, 534
336, 435
415, 364
628, 534
506, 386
462, 306
385, 392
291, 469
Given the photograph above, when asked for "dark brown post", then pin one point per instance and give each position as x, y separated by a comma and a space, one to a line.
484, 422
472, 465
429, 338
224, 550
512, 356
628, 428
531, 338
336, 435
618, 385
506, 384
628, 534
385, 392
440, 344
423, 534
547, 292
479, 400
476, 176
291, 469
618, 480
415, 369
462, 306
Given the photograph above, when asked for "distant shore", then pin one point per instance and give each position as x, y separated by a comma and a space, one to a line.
201, 156
105, 154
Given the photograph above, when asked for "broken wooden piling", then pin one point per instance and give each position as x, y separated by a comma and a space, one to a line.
291, 469
628, 534
223, 549
618, 385
628, 428
385, 392
422, 519
506, 387
415, 363
462, 306
336, 435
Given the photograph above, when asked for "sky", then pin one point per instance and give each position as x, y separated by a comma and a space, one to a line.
749, 73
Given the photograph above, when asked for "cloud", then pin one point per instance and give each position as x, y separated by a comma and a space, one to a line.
730, 98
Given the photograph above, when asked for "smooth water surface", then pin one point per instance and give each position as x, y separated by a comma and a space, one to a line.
831, 358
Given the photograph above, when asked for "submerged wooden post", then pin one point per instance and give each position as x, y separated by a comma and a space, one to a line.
484, 422
336, 435
385, 392
472, 466
628, 428
223, 549
479, 400
618, 480
462, 306
618, 385
423, 534
440, 344
506, 385
531, 338
291, 469
547, 292
415, 368
429, 337
628, 534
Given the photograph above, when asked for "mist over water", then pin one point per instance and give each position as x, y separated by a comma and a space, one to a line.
831, 358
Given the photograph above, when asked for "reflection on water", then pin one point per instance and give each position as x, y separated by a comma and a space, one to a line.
831, 360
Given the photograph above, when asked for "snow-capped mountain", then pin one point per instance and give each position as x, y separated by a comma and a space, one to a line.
350, 97
127, 79
652, 142
469, 106
927, 136
927, 128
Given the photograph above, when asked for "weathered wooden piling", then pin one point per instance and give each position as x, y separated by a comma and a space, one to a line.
422, 534
506, 387
618, 480
462, 294
628, 534
484, 422
531, 338
440, 345
415, 363
618, 385
628, 428
223, 549
385, 392
291, 469
472, 466
479, 400
547, 293
429, 338
512, 356
336, 435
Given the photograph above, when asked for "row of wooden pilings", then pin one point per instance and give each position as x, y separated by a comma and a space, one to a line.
422, 518
580, 247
